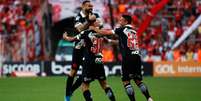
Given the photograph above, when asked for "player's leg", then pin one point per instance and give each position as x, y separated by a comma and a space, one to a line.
77, 83
107, 89
99, 73
143, 89
126, 81
86, 91
129, 90
138, 78
86, 79
69, 82
77, 59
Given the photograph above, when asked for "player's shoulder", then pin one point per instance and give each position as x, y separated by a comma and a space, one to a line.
130, 27
78, 17
118, 28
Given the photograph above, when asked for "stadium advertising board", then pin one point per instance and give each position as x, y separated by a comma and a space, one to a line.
9, 67
177, 69
63, 68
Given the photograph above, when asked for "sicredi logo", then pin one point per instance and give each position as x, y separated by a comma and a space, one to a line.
9, 68
164, 69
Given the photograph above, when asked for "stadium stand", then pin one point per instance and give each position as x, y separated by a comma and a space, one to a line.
165, 29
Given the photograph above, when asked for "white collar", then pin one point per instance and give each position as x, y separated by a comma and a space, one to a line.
82, 14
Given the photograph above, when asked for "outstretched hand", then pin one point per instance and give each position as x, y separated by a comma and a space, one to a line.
68, 38
65, 36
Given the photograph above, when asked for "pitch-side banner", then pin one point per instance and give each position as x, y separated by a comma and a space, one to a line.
9, 67
177, 69
52, 68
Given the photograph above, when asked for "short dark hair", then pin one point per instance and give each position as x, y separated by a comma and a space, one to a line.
85, 1
128, 18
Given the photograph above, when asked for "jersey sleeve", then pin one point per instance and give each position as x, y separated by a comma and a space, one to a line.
118, 31
80, 36
77, 21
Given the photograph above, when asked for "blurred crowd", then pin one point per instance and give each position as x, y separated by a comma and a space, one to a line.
165, 29
19, 30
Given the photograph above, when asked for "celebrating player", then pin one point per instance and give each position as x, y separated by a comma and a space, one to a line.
131, 60
82, 21
93, 67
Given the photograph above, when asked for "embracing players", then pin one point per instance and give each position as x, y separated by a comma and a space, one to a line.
82, 21
131, 60
93, 67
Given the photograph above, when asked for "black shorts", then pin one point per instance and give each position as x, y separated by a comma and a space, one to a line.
77, 58
92, 71
131, 68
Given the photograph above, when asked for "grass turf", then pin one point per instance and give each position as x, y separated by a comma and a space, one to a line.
53, 89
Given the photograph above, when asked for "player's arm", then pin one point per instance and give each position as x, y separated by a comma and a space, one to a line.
69, 38
74, 38
116, 42
102, 31
113, 41
82, 26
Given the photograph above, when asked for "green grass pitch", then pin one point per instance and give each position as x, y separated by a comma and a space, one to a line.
52, 89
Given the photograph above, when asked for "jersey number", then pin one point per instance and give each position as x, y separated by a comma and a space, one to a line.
97, 45
132, 42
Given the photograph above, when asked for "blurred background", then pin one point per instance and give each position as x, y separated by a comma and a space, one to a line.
31, 45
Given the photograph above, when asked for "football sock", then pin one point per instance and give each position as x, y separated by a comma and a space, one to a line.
144, 89
69, 85
87, 95
77, 84
130, 92
110, 94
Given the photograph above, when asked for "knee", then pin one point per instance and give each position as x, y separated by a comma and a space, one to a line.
126, 83
104, 84
73, 72
84, 87
138, 82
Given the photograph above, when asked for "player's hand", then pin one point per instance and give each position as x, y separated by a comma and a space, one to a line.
106, 39
92, 28
92, 17
65, 36
68, 38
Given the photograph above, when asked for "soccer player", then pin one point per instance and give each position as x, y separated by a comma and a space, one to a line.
93, 67
131, 60
82, 21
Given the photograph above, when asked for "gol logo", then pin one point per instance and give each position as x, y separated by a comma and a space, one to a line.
164, 69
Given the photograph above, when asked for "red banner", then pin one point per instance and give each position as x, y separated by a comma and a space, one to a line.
155, 9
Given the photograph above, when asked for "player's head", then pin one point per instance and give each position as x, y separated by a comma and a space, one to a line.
125, 19
87, 6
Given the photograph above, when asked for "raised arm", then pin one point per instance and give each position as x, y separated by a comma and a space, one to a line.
102, 31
